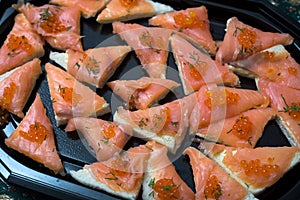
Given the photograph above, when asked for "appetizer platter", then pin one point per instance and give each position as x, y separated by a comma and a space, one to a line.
143, 74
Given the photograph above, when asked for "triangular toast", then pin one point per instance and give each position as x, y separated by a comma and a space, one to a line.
150, 44
34, 137
191, 23
70, 98
59, 26
103, 138
197, 68
93, 66
21, 45
242, 40
142, 93
17, 85
122, 10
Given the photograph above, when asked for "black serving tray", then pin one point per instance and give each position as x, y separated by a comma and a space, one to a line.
17, 169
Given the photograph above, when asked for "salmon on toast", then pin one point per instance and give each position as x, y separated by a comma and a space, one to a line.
216, 103
275, 64
150, 44
192, 23
122, 175
123, 10
16, 86
197, 68
34, 137
88, 8
166, 124
103, 137
58, 25
242, 40
212, 181
161, 180
21, 45
142, 93
256, 168
243, 130
286, 101
93, 66
70, 98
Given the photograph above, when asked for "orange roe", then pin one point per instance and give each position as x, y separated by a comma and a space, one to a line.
269, 56
8, 95
255, 167
231, 98
242, 127
293, 71
247, 38
36, 133
212, 188
129, 3
189, 20
69, 96
18, 43
50, 22
109, 132
166, 189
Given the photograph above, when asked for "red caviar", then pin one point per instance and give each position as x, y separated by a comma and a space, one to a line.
293, 71
8, 95
109, 132
166, 189
255, 167
231, 98
36, 133
16, 43
189, 20
212, 188
247, 38
129, 3
269, 56
242, 127
69, 95
50, 22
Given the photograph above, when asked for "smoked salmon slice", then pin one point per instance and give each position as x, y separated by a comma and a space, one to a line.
243, 130
256, 168
34, 137
192, 23
88, 8
212, 181
122, 175
142, 93
161, 180
103, 137
122, 10
59, 26
166, 124
197, 68
93, 66
275, 64
150, 44
17, 85
21, 45
70, 98
216, 103
242, 40
286, 101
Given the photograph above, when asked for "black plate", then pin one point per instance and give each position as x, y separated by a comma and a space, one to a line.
20, 170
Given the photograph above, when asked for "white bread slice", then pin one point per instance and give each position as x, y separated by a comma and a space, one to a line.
219, 157
86, 177
60, 58
116, 12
